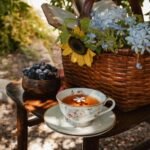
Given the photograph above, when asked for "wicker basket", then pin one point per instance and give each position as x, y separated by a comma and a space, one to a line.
116, 75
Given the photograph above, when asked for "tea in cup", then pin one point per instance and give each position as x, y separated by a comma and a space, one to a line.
81, 106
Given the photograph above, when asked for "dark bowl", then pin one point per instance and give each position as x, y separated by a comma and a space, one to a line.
41, 87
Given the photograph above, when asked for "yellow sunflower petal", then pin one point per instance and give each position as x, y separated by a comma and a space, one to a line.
64, 46
91, 52
78, 31
66, 50
88, 59
74, 57
80, 60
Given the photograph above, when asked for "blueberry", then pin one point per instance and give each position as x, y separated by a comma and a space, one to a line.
42, 67
46, 71
36, 66
31, 75
38, 71
32, 70
41, 71
54, 69
50, 73
48, 66
25, 71
41, 76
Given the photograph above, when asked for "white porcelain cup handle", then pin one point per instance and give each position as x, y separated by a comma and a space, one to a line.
110, 108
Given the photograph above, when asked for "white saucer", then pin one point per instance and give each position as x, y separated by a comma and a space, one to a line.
56, 121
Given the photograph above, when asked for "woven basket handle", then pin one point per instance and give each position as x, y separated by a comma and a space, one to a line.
86, 8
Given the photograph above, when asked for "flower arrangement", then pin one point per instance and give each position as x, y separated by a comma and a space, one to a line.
106, 31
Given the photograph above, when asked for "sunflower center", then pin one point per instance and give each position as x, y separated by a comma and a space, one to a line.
77, 45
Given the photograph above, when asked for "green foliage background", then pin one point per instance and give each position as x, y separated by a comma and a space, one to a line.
20, 26
66, 4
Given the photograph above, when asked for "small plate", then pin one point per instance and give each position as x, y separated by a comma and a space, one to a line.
56, 121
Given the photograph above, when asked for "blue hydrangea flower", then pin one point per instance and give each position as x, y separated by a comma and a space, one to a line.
136, 35
130, 20
139, 65
139, 37
107, 18
105, 46
91, 38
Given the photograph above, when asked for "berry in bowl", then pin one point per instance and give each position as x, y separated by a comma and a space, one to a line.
41, 79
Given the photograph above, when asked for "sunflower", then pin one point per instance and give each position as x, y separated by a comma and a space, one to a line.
78, 32
76, 48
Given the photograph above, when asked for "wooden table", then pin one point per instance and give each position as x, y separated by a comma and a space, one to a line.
38, 105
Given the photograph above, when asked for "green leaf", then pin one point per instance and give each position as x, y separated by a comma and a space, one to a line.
20, 26
23, 6
84, 23
64, 35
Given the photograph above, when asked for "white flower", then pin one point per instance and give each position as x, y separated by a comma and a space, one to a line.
79, 99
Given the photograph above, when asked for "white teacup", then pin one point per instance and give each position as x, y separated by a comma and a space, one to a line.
81, 116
